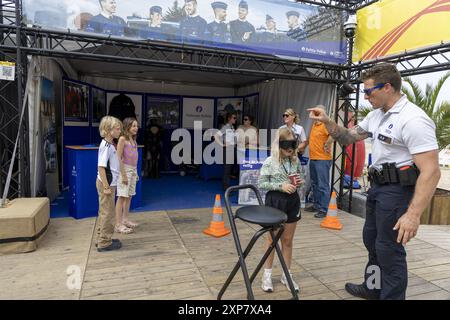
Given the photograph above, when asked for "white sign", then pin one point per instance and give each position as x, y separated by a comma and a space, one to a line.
7, 70
198, 109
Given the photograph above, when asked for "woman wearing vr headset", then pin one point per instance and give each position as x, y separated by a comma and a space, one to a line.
281, 176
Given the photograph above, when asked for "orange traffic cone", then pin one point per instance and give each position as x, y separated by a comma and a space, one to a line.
331, 221
217, 226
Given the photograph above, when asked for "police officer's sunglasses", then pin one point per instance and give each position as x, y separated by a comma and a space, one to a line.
368, 91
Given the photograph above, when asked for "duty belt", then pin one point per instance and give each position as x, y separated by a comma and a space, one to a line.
390, 174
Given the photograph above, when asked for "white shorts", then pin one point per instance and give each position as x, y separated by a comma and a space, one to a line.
127, 190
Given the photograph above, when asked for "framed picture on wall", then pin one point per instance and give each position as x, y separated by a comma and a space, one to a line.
225, 105
76, 103
124, 105
98, 105
165, 110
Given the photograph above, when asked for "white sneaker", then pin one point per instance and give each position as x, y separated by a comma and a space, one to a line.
285, 282
266, 284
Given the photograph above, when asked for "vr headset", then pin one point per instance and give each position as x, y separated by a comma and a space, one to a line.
288, 144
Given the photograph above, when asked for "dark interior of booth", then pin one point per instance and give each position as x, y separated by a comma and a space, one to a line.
175, 186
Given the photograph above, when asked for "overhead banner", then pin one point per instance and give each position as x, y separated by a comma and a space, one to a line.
198, 109
391, 27
275, 27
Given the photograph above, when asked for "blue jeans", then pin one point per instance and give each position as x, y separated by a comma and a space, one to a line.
320, 183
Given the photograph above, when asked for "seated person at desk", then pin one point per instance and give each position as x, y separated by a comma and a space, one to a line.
247, 133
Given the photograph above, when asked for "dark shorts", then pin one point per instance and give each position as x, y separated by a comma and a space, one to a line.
288, 203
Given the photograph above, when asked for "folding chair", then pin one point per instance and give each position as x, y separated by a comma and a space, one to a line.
270, 219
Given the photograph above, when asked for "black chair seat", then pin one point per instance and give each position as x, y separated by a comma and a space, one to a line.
262, 215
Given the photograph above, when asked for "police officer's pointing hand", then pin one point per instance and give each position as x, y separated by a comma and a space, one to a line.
318, 114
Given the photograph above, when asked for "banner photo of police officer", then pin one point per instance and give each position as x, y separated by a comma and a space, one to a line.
76, 104
124, 105
164, 110
276, 27
227, 105
98, 105
47, 130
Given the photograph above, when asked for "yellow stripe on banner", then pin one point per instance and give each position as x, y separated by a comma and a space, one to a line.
7, 64
393, 26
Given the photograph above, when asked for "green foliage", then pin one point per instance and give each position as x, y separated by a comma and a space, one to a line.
438, 112
175, 14
427, 100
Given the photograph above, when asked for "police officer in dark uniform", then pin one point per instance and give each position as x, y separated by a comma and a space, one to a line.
193, 27
404, 175
106, 22
270, 34
295, 30
241, 30
219, 30
155, 30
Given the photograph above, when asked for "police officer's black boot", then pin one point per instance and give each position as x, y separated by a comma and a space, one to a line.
361, 291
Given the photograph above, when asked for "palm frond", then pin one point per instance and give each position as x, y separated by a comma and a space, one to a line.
438, 88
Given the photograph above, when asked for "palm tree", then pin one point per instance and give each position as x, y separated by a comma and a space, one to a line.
438, 112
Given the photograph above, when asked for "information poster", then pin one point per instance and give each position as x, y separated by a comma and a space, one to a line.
49, 140
198, 109
76, 104
124, 105
98, 105
164, 109
225, 105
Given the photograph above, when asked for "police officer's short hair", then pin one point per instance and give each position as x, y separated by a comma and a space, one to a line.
384, 73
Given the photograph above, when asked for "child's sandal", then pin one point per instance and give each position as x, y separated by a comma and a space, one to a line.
123, 229
130, 224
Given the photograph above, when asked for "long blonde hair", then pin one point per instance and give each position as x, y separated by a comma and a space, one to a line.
282, 134
291, 112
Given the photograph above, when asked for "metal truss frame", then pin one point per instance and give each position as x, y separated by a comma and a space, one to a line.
17, 42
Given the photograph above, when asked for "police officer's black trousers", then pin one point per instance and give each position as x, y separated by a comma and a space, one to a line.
385, 205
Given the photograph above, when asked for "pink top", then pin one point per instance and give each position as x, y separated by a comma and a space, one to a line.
130, 154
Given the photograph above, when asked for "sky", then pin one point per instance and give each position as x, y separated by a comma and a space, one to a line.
422, 80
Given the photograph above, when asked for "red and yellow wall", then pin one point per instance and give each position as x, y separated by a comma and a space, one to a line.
390, 27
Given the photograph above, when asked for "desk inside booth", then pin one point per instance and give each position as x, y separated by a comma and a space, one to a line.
82, 167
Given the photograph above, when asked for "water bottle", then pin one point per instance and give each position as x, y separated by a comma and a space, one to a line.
302, 191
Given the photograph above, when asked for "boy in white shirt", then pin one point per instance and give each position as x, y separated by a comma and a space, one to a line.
108, 172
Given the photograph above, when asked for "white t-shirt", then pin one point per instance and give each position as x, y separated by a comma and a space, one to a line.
399, 133
229, 135
106, 152
299, 131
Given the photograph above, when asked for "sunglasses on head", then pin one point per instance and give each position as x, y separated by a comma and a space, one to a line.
288, 144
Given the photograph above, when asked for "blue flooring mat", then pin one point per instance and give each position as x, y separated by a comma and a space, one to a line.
170, 192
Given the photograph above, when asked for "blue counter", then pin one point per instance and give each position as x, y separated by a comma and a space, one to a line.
82, 164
